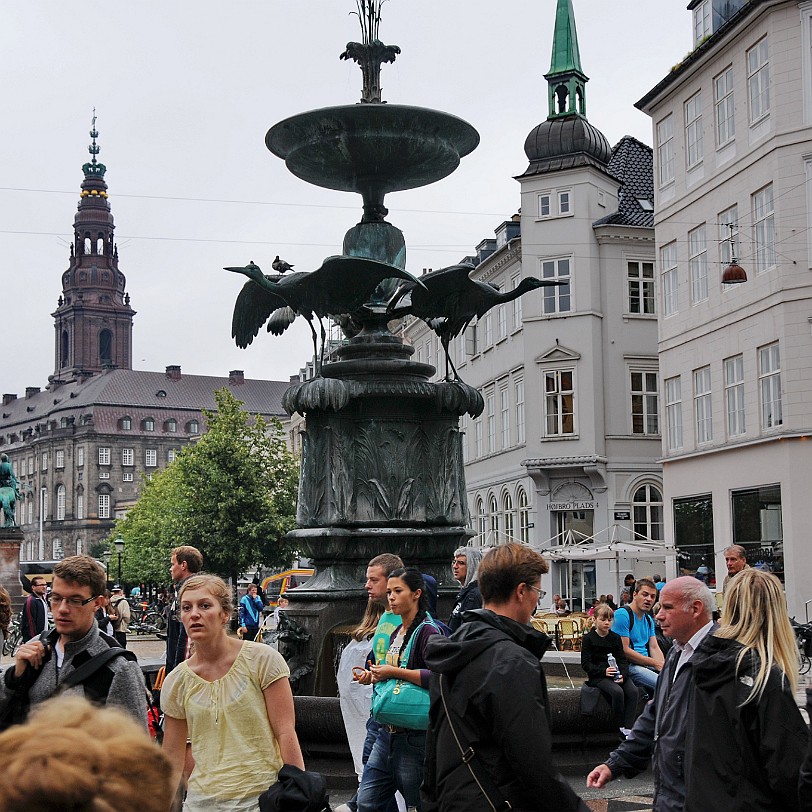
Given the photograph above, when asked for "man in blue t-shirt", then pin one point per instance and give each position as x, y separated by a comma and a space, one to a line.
635, 626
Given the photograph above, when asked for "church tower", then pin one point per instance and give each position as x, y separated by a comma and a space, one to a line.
93, 320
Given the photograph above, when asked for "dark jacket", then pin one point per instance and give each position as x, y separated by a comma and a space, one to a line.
497, 695
594, 655
32, 621
805, 781
746, 757
467, 599
176, 639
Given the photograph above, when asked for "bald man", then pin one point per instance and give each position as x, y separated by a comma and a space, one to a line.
685, 615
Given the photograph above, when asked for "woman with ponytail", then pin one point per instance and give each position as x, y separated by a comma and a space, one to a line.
396, 761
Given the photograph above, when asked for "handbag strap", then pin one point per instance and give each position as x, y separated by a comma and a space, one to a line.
493, 796
407, 650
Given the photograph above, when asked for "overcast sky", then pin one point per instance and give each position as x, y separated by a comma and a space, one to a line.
185, 91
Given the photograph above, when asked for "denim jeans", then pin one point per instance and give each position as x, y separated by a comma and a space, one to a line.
644, 677
396, 763
374, 730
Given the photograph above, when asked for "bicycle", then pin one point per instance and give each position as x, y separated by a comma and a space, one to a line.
14, 638
803, 636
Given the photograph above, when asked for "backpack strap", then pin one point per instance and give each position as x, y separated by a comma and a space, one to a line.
88, 669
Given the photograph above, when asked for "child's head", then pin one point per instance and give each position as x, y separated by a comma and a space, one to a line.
604, 612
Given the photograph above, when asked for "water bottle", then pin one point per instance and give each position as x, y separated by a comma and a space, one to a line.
613, 664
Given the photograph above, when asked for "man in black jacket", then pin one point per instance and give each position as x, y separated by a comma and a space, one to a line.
685, 615
495, 694
186, 562
35, 610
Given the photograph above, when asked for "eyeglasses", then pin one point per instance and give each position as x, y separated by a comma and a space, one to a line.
73, 603
541, 592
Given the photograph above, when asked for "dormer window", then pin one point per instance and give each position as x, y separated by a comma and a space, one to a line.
702, 21
126, 423
148, 424
171, 425
193, 427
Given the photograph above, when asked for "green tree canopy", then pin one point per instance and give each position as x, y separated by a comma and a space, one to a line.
232, 495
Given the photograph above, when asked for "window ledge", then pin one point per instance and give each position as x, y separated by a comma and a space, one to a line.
641, 316
558, 437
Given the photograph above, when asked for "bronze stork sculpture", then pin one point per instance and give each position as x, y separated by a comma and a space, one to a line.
449, 300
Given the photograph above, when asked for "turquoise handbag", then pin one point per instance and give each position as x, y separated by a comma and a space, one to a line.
398, 702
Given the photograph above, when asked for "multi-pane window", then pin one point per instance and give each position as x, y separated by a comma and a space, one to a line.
171, 454
559, 402
60, 502
769, 381
665, 150
648, 513
517, 303
478, 437
734, 395
728, 221
127, 456
172, 424
80, 456
104, 505
104, 475
193, 427
151, 457
501, 322
564, 203
493, 515
504, 414
556, 298
702, 21
480, 517
702, 405
490, 417
524, 516
44, 461
698, 264
127, 476
104, 455
693, 130
645, 403
673, 412
59, 459
641, 287
507, 504
80, 506
764, 228
518, 393
31, 512
758, 80
30, 466
487, 330
149, 424
668, 271
545, 205
724, 109
126, 423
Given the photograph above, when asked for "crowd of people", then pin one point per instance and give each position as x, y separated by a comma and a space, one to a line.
441, 717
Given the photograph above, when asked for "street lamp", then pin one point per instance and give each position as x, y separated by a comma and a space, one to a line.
119, 545
106, 556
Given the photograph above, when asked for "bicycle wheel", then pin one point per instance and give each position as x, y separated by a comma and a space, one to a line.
805, 663
153, 622
12, 642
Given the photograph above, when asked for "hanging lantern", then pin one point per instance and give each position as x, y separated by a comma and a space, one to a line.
733, 274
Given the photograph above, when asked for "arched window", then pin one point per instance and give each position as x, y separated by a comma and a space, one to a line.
59, 552
480, 518
524, 515
148, 424
193, 427
507, 504
126, 423
172, 424
80, 547
648, 512
63, 350
100, 244
60, 503
87, 242
493, 511
80, 503
105, 346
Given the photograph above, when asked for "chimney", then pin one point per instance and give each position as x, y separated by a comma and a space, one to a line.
236, 376
7, 398
173, 372
295, 378
30, 391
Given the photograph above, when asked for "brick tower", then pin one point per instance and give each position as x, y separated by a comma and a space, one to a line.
93, 320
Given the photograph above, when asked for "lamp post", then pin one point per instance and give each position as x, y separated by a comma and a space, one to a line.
119, 545
106, 556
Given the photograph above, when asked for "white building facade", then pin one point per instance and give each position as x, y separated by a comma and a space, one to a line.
733, 181
568, 444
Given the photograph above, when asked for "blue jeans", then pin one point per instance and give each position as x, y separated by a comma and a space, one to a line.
396, 763
644, 677
374, 731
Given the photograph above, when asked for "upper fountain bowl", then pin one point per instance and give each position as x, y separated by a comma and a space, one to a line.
372, 149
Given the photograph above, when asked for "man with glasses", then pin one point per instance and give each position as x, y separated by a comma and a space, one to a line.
44, 663
35, 610
488, 743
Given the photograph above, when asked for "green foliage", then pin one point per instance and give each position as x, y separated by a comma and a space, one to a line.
232, 495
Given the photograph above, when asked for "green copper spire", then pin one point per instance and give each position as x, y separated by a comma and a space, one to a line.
94, 167
566, 79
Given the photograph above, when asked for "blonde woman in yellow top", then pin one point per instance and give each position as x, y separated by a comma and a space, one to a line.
233, 701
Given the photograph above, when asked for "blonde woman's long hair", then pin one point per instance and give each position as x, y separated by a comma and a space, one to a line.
369, 622
756, 617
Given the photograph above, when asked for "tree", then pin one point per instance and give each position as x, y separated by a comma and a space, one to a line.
232, 495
